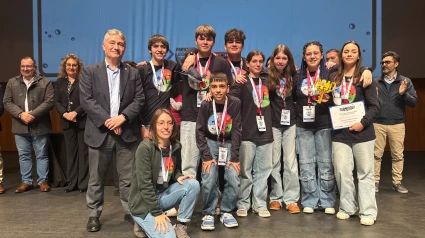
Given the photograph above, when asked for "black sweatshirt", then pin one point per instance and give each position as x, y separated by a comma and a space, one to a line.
205, 127
245, 93
189, 108
155, 98
371, 102
276, 100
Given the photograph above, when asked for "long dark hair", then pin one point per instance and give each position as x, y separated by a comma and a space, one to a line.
252, 54
288, 71
340, 74
322, 66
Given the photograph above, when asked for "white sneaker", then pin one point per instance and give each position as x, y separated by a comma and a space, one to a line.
308, 210
172, 212
242, 212
367, 221
330, 210
263, 213
342, 216
207, 223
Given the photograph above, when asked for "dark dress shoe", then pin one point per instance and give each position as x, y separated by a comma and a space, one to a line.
69, 190
127, 217
93, 225
23, 188
83, 190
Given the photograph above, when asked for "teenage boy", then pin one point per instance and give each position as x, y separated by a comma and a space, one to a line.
157, 75
194, 93
218, 136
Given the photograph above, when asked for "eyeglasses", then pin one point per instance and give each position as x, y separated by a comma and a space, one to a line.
163, 123
72, 65
386, 62
309, 54
27, 66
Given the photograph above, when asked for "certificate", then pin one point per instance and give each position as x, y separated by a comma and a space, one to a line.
346, 115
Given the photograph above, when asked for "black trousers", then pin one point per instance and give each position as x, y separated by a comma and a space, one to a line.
77, 165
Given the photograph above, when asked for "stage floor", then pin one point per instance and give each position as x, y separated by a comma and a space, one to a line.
59, 214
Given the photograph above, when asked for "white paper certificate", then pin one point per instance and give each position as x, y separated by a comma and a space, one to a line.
346, 115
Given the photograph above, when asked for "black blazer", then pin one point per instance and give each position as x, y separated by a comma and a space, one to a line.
61, 103
1, 103
94, 97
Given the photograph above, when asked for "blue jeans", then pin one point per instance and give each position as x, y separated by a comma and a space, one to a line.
343, 157
210, 191
24, 143
315, 150
190, 152
284, 139
184, 194
256, 166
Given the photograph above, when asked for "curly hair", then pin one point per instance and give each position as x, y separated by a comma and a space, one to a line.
62, 66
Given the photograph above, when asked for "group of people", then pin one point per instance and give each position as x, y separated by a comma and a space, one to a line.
234, 113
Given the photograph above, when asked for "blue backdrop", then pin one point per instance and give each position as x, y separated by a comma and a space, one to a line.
62, 27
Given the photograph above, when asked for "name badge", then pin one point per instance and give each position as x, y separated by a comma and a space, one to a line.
200, 97
160, 179
308, 114
261, 124
285, 117
222, 156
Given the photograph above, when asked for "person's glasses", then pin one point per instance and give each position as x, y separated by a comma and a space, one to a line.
27, 66
386, 62
163, 123
72, 65
310, 54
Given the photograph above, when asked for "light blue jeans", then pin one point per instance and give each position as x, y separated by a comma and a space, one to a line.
210, 193
284, 140
184, 194
190, 152
315, 149
256, 166
344, 156
24, 144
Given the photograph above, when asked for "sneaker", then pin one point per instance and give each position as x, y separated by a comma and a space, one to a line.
172, 212
367, 221
138, 231
275, 205
207, 223
263, 213
308, 210
376, 187
242, 212
330, 210
342, 216
293, 208
181, 231
228, 220
400, 188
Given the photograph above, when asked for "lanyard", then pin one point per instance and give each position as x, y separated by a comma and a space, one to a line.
165, 170
157, 81
345, 90
199, 66
283, 91
223, 119
258, 93
310, 83
233, 67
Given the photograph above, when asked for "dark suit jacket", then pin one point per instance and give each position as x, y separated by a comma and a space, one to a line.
61, 103
1, 103
94, 97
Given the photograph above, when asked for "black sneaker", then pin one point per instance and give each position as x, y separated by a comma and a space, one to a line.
400, 188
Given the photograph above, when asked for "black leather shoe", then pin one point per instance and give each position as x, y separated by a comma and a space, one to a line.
83, 190
127, 217
93, 224
69, 190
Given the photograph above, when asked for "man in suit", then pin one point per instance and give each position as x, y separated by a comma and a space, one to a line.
29, 99
111, 94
